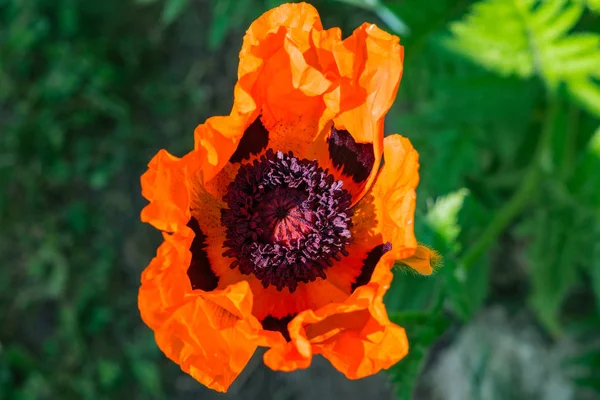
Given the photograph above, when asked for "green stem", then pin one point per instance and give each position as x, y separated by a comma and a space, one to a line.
521, 197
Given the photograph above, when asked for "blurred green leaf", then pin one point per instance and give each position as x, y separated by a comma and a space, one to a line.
425, 18
553, 257
467, 288
439, 228
172, 10
148, 376
587, 186
391, 19
413, 292
108, 372
423, 330
582, 364
594, 145
18, 357
225, 14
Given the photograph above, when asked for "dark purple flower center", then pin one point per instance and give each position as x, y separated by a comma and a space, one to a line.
286, 220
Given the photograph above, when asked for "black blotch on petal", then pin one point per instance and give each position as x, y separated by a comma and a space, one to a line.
369, 264
270, 323
255, 139
354, 159
200, 273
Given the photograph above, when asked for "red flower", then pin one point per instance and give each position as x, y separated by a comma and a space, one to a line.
283, 227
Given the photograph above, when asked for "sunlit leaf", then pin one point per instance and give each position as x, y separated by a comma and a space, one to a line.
594, 5
442, 216
587, 94
533, 38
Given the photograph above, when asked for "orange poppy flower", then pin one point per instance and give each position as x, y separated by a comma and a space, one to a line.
281, 227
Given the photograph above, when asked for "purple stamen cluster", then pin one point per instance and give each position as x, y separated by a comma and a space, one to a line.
286, 220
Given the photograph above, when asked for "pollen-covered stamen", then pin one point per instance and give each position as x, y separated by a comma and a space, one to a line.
286, 220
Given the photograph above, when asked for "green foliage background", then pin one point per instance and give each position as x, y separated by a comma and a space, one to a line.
500, 97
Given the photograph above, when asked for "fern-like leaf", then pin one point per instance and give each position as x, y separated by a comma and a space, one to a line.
531, 37
594, 5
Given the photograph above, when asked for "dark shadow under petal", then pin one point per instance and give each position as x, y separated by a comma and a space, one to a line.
255, 140
200, 273
355, 160
369, 264
271, 323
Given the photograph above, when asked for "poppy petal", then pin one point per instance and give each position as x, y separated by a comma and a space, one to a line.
210, 333
304, 79
391, 202
395, 198
273, 303
354, 160
356, 335
164, 282
286, 65
164, 185
274, 82
274, 75
346, 273
370, 62
200, 272
253, 142
370, 65
212, 336
218, 137
383, 220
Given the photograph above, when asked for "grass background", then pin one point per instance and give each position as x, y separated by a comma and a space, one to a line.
500, 98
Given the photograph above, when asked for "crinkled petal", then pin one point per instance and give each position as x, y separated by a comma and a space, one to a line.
370, 65
386, 215
165, 185
370, 62
212, 336
355, 335
306, 83
273, 74
218, 137
270, 301
286, 66
388, 210
395, 197
164, 281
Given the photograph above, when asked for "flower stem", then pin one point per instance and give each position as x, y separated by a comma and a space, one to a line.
521, 198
